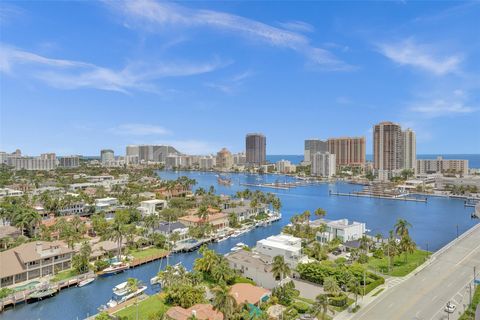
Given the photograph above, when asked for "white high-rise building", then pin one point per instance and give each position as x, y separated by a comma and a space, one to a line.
323, 164
207, 162
107, 156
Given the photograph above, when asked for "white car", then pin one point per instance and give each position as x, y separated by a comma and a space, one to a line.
450, 307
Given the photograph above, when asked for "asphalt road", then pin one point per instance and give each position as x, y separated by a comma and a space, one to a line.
423, 296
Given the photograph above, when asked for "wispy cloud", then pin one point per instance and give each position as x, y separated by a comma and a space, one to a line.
138, 129
9, 12
299, 26
232, 84
70, 74
160, 15
453, 103
408, 52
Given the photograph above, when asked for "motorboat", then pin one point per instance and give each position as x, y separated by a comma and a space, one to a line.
114, 268
114, 302
121, 289
85, 282
42, 293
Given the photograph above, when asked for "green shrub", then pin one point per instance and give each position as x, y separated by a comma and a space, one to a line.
378, 254
338, 301
239, 279
5, 292
341, 261
363, 258
100, 265
301, 307
372, 285
355, 309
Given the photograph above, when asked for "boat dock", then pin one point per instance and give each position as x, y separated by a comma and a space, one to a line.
361, 195
23, 296
280, 185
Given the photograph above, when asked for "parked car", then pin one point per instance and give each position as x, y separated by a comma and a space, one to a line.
450, 307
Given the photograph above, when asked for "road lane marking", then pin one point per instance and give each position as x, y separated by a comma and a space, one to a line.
433, 299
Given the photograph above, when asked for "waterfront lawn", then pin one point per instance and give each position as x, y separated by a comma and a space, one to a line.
141, 254
469, 314
146, 309
65, 274
399, 267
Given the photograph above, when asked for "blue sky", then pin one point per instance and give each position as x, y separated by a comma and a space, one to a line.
80, 76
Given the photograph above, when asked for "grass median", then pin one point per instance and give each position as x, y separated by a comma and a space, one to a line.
399, 267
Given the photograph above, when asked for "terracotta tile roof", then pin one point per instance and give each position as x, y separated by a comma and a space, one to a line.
201, 311
247, 292
196, 219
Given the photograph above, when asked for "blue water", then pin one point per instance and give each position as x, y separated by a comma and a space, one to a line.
434, 223
473, 159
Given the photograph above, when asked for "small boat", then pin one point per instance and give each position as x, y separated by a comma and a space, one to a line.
113, 302
42, 293
240, 244
224, 181
85, 282
114, 268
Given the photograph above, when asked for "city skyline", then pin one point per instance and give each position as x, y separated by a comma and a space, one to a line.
203, 80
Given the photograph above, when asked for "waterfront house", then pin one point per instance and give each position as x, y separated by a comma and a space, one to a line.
7, 192
33, 260
200, 311
149, 207
167, 229
340, 229
107, 206
243, 210
217, 219
287, 246
254, 266
246, 293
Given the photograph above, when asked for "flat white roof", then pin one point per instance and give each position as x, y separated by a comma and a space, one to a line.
154, 201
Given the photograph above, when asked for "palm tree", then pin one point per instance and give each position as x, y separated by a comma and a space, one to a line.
320, 213
280, 269
207, 262
364, 243
330, 285
133, 284
401, 227
320, 306
223, 301
222, 272
117, 230
306, 216
379, 237
202, 213
407, 245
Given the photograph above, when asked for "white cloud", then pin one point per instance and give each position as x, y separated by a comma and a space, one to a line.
455, 103
343, 100
297, 26
161, 16
410, 53
137, 129
70, 74
232, 84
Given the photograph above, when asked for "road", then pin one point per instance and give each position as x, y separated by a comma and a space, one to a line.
423, 296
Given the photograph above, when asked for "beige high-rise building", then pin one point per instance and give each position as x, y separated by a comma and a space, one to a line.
387, 146
312, 146
224, 159
409, 149
349, 151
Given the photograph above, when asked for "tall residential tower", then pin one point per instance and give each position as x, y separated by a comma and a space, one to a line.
255, 147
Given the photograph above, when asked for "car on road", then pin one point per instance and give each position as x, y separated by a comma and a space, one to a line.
450, 307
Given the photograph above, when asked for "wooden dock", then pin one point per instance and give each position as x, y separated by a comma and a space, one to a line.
280, 185
377, 196
23, 296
